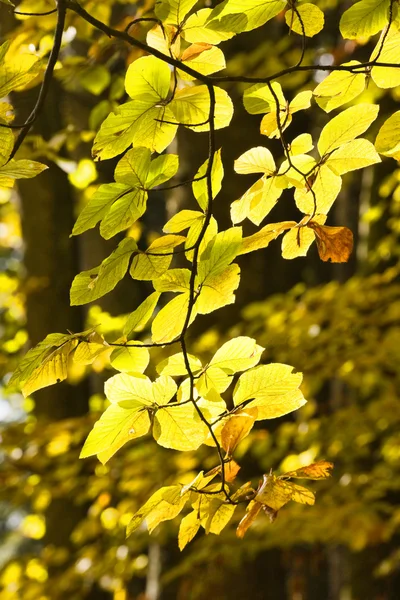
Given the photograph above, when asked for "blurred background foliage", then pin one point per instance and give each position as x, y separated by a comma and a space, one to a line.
62, 521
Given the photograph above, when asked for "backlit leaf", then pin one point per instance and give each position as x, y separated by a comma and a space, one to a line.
189, 526
97, 282
252, 511
130, 359
138, 320
318, 470
364, 18
179, 427
307, 20
334, 243
346, 126
339, 88
236, 428
388, 139
200, 188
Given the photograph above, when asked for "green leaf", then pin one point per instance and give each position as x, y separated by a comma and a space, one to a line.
146, 266
219, 253
272, 389
173, 11
130, 359
364, 19
148, 82
138, 320
258, 98
97, 282
161, 169
174, 280
200, 188
179, 427
125, 211
116, 427
346, 126
98, 206
133, 168
245, 15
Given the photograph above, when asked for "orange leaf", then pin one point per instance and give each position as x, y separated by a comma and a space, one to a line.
252, 511
334, 243
237, 428
195, 50
231, 470
318, 470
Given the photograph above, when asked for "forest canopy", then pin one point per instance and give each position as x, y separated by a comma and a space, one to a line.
170, 165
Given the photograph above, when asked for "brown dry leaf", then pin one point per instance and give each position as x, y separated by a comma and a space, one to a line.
334, 243
252, 511
231, 470
318, 470
195, 50
237, 428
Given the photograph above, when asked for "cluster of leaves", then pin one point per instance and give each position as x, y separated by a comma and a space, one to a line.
174, 85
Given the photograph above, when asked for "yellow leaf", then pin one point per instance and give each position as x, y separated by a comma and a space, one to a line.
236, 428
388, 138
217, 290
238, 354
168, 323
189, 526
301, 144
139, 318
308, 20
203, 58
264, 236
116, 427
388, 77
297, 242
346, 126
130, 359
165, 504
326, 186
364, 19
175, 365
179, 427
173, 11
339, 88
195, 29
53, 369
255, 160
129, 391
272, 389
183, 220
275, 493
356, 154
191, 107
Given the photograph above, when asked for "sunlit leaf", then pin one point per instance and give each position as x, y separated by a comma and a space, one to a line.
364, 18
339, 87
334, 243
307, 20
139, 318
200, 188
318, 470
346, 126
